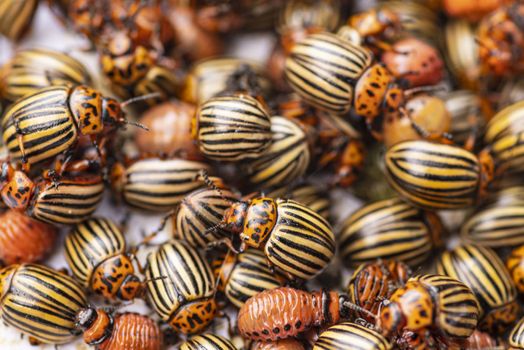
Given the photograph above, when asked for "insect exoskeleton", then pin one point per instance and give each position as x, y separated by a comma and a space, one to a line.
16, 17
373, 283
484, 272
348, 335
464, 106
497, 226
24, 239
295, 239
477, 341
285, 160
156, 184
516, 336
232, 128
32, 70
49, 122
207, 342
181, 287
41, 302
515, 265
430, 304
245, 275
437, 176
284, 344
308, 194
462, 53
96, 254
389, 229
504, 134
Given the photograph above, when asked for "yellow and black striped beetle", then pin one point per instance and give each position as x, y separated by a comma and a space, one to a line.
207, 342
483, 271
32, 70
49, 122
16, 17
156, 184
438, 176
389, 229
96, 254
181, 287
232, 128
244, 275
295, 239
348, 335
516, 336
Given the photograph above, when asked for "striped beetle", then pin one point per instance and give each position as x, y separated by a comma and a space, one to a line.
96, 254
516, 337
427, 304
32, 70
207, 342
181, 287
16, 17
232, 128
348, 335
515, 265
389, 229
438, 176
483, 271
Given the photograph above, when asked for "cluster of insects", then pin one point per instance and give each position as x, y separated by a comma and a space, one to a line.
414, 107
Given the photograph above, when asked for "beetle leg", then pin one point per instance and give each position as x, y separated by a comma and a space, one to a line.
148, 238
20, 138
227, 242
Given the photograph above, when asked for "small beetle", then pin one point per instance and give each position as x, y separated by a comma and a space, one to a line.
437, 176
96, 254
232, 128
16, 17
207, 342
31, 70
181, 287
515, 265
516, 337
484, 272
156, 184
23, 239
376, 27
426, 304
373, 283
347, 335
389, 229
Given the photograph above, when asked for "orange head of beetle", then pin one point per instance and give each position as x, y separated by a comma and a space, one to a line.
97, 325
17, 189
235, 216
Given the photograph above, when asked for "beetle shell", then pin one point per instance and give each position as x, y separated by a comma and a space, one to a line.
464, 108
181, 287
309, 195
285, 160
284, 344
477, 341
415, 61
471, 10
128, 331
23, 239
322, 69
388, 229
249, 276
200, 210
48, 114
462, 53
96, 253
208, 342
41, 302
169, 130
32, 70
515, 265
372, 283
432, 175
159, 80
516, 336
483, 271
301, 243
285, 312
348, 335
78, 196
16, 17
496, 226
159, 185
233, 128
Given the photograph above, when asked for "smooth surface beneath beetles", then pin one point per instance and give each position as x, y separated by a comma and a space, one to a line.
49, 33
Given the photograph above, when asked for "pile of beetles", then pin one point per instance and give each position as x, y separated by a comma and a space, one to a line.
415, 107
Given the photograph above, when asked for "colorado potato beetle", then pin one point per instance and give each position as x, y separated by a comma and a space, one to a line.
181, 287
32, 70
295, 239
232, 128
207, 342
515, 265
376, 27
97, 256
483, 271
427, 304
389, 229
16, 17
156, 184
24, 239
348, 335
516, 337
438, 176
373, 283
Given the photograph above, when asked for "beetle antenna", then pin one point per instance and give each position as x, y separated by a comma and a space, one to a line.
140, 98
204, 175
427, 88
355, 307
137, 124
